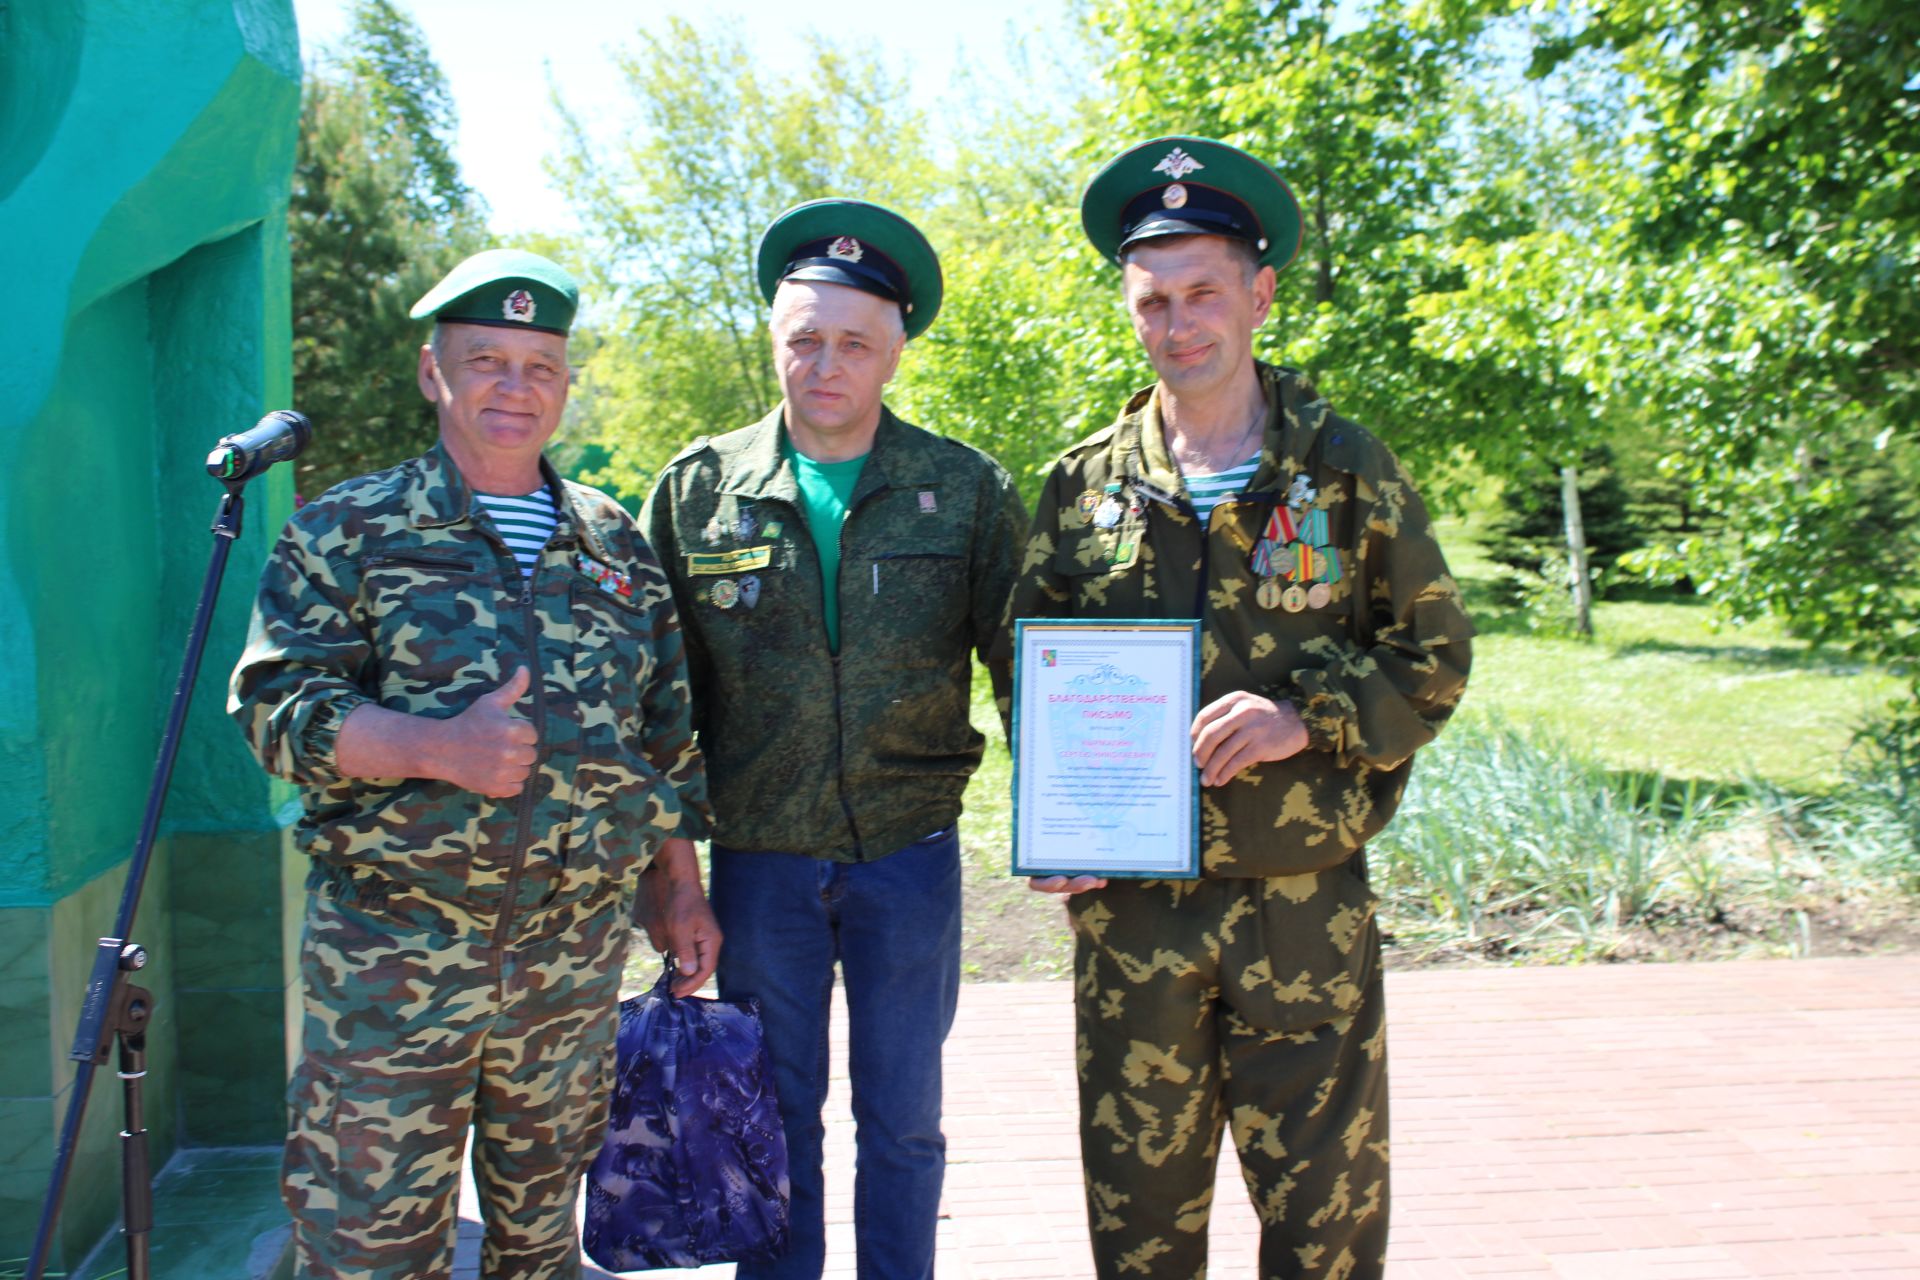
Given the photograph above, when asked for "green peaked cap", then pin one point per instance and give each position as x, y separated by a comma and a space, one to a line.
1190, 186
506, 288
860, 245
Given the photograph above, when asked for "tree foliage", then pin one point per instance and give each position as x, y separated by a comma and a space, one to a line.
377, 214
1747, 278
713, 149
1669, 228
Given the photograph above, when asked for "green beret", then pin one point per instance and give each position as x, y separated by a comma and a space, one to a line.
860, 245
1188, 187
507, 288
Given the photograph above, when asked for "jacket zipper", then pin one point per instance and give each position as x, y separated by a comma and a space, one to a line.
839, 716
525, 805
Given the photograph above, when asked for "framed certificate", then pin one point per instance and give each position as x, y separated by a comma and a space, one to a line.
1103, 776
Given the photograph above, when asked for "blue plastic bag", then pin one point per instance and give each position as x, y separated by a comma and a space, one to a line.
694, 1166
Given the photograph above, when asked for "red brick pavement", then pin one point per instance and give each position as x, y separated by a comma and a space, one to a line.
1672, 1122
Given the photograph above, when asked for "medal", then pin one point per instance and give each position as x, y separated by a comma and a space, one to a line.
1294, 598
713, 532
1283, 561
1301, 491
1318, 595
603, 576
1262, 561
1085, 504
1313, 529
1109, 513
1268, 593
750, 590
725, 593
743, 527
773, 529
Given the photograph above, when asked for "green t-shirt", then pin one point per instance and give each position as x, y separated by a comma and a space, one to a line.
825, 488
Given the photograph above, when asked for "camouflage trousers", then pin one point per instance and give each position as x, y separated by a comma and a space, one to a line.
410, 1039
1250, 1003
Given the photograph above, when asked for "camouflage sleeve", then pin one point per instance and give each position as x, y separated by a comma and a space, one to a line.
657, 526
667, 711
999, 538
306, 666
1381, 700
1038, 592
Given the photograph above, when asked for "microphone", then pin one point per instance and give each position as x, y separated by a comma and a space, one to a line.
277, 437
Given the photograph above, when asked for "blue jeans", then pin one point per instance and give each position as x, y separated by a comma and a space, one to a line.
894, 926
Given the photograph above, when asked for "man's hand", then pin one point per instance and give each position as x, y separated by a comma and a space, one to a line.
1244, 729
490, 748
674, 912
1065, 885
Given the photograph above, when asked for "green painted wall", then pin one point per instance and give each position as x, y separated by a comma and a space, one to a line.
144, 159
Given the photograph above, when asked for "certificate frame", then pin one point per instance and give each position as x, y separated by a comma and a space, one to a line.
1107, 834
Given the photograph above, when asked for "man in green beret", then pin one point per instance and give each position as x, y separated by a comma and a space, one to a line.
836, 568
1333, 647
473, 670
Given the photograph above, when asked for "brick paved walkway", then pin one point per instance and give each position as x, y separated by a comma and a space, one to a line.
1666, 1122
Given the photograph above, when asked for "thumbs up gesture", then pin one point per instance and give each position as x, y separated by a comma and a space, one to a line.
490, 748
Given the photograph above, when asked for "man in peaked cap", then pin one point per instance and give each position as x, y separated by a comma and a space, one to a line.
1334, 646
473, 670
836, 567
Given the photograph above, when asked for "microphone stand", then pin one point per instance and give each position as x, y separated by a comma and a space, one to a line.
115, 1009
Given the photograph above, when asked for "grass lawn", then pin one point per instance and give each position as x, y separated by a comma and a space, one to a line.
1662, 688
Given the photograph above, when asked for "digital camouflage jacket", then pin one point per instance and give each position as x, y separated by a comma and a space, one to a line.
851, 756
394, 588
1375, 671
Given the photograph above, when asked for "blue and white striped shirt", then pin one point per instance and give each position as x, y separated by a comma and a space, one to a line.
525, 523
1209, 491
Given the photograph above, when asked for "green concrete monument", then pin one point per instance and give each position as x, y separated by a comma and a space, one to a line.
145, 153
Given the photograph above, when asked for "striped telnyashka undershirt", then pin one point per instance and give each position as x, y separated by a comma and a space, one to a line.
525, 522
1209, 491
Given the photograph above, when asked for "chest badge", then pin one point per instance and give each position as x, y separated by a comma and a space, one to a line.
608, 579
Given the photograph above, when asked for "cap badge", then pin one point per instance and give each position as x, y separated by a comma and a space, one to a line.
846, 247
518, 306
1174, 196
1177, 165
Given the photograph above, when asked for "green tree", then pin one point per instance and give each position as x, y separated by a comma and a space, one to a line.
377, 214
1352, 106
1774, 228
714, 149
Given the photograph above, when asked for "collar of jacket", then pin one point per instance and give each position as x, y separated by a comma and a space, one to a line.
1295, 414
438, 495
897, 460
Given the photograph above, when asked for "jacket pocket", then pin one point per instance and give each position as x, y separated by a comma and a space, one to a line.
611, 662
434, 621
1104, 570
923, 587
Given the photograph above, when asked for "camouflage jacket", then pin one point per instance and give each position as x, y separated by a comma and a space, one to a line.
1375, 672
394, 589
846, 757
